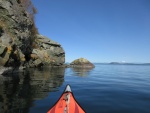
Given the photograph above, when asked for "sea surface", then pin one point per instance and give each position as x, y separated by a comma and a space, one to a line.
107, 88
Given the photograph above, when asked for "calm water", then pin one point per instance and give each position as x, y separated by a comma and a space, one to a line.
104, 89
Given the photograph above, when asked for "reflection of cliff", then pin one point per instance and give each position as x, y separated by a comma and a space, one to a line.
13, 97
18, 92
45, 80
81, 71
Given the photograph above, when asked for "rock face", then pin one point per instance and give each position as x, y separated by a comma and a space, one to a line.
82, 62
20, 45
15, 33
46, 52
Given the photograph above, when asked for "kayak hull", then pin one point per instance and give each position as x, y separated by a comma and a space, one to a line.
66, 104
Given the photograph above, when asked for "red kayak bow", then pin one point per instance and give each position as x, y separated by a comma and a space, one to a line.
66, 103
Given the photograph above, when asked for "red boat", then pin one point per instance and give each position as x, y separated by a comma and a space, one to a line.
66, 103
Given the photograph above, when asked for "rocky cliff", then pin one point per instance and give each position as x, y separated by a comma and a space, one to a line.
20, 43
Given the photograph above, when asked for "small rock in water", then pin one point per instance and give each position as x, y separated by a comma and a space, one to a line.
82, 62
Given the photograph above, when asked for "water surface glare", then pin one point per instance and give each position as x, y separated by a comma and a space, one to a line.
104, 89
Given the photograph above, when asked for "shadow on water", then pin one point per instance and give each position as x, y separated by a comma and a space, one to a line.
81, 71
17, 92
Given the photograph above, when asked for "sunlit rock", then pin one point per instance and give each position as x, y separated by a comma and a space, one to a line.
82, 62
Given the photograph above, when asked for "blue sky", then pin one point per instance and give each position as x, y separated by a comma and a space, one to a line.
99, 30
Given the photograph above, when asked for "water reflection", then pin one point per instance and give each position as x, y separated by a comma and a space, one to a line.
17, 92
81, 71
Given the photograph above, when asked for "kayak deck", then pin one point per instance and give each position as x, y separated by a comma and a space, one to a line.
66, 103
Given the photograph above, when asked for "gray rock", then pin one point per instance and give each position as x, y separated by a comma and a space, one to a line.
2, 49
46, 46
6, 39
38, 63
50, 53
46, 40
4, 58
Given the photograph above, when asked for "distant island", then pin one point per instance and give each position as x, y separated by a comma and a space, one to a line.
127, 63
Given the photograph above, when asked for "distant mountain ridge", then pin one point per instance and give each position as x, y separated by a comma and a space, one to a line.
127, 63
119, 63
